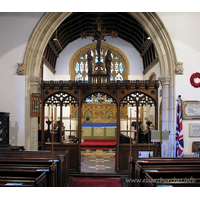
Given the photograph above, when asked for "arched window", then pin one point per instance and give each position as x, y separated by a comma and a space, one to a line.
79, 64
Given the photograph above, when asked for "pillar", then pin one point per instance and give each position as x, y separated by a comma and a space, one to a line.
165, 81
31, 125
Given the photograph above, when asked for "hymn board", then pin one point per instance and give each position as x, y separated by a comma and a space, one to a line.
74, 93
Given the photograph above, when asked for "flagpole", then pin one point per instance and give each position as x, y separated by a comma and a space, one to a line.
179, 129
177, 123
130, 134
70, 125
52, 142
127, 126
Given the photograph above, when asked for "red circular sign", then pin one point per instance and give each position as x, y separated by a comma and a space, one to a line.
192, 82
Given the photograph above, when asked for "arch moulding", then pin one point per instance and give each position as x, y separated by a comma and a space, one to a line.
40, 37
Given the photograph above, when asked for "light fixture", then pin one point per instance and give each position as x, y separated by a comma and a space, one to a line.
57, 42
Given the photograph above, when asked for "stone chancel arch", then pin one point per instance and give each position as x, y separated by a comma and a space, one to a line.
47, 26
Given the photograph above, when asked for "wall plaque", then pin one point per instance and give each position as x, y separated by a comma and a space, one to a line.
191, 109
194, 130
35, 105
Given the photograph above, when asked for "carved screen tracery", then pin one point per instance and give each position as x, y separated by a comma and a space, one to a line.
139, 99
144, 104
59, 98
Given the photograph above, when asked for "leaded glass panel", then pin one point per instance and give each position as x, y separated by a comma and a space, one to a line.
81, 67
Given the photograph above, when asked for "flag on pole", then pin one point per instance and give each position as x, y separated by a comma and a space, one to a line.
179, 131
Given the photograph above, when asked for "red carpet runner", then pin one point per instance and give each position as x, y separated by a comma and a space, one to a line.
99, 144
96, 182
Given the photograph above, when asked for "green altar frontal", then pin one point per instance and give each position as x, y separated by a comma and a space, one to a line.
99, 130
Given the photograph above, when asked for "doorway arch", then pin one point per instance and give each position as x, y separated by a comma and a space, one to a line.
47, 25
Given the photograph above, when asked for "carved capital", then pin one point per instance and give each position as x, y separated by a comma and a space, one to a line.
165, 80
35, 81
179, 68
20, 69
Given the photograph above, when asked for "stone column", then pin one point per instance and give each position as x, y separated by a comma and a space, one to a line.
165, 81
33, 131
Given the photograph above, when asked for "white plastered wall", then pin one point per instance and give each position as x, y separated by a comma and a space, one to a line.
183, 29
16, 29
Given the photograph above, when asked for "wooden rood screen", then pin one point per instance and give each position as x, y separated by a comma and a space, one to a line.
71, 93
74, 93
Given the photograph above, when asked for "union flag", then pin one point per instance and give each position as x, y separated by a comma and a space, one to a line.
179, 131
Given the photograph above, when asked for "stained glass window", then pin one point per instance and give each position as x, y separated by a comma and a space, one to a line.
77, 67
121, 67
79, 77
111, 68
96, 59
81, 67
116, 67
119, 77
86, 67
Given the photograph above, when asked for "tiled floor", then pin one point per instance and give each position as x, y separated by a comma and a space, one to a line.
98, 161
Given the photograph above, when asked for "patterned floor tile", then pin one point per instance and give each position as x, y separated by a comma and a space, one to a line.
98, 161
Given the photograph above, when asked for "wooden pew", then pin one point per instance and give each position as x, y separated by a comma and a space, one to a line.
17, 167
30, 161
140, 170
62, 160
22, 179
138, 163
66, 170
181, 179
63, 168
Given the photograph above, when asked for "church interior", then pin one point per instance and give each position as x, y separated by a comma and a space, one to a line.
99, 99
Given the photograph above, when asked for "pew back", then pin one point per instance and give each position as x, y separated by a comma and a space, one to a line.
62, 159
24, 179
52, 178
167, 165
182, 179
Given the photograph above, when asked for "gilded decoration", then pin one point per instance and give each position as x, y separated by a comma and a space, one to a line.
96, 112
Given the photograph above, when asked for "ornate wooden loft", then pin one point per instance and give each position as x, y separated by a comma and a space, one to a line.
133, 93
